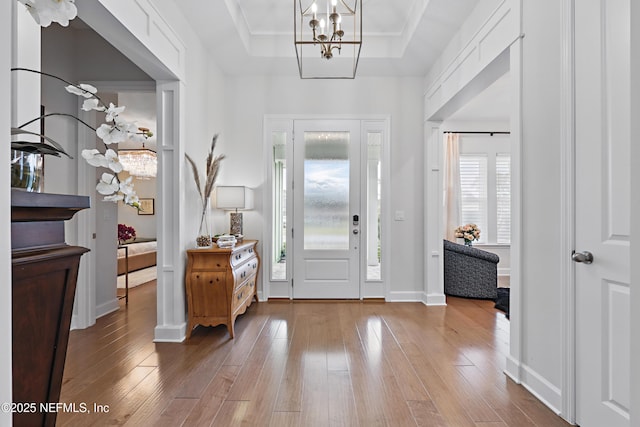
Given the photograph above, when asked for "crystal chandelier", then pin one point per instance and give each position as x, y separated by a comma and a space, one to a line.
336, 30
140, 163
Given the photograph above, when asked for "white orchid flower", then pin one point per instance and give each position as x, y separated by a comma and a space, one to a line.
82, 89
113, 111
113, 162
94, 158
92, 104
126, 187
132, 199
108, 184
110, 134
126, 126
113, 198
44, 12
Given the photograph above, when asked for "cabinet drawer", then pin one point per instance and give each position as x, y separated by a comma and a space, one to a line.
242, 255
246, 270
243, 293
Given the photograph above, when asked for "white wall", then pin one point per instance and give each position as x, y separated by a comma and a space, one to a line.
541, 310
635, 212
250, 98
6, 41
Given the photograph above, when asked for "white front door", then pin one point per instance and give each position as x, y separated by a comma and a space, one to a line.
326, 213
602, 67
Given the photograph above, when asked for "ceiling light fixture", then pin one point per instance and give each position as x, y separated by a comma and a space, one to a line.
335, 30
141, 163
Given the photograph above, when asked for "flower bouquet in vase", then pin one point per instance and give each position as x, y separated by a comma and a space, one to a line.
468, 232
203, 239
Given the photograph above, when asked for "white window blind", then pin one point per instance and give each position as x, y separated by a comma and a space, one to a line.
473, 187
503, 197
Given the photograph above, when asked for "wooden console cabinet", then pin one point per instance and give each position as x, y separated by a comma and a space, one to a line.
220, 284
44, 273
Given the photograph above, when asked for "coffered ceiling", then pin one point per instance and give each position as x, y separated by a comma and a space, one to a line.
400, 37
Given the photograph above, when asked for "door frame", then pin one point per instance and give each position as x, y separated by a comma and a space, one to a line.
332, 261
281, 289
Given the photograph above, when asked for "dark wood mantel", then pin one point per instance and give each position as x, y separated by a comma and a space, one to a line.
44, 275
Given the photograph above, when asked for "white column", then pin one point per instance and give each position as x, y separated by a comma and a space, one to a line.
433, 208
172, 243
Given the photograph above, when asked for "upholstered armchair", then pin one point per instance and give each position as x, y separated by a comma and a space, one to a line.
470, 272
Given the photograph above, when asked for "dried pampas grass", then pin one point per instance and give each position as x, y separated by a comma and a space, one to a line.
213, 167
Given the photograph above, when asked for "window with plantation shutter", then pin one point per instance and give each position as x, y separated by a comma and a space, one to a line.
485, 186
473, 188
503, 197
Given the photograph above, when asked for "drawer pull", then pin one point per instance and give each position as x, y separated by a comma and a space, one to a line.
240, 295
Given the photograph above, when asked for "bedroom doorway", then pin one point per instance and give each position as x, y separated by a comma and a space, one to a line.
137, 230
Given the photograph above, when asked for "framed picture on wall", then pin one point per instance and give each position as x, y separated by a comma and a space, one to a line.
147, 207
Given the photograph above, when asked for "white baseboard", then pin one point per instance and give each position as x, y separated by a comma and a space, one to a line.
170, 333
546, 392
405, 296
75, 323
434, 299
106, 308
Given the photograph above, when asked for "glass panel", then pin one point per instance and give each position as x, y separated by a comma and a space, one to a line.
279, 203
374, 145
326, 190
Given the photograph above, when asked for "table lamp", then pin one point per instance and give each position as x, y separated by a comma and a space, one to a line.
234, 198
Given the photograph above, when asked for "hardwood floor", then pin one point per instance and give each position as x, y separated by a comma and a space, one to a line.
309, 363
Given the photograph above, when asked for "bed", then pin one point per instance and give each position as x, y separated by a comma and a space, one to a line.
141, 254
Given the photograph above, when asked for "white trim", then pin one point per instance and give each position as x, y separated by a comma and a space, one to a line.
537, 385
504, 272
635, 213
274, 288
514, 366
171, 299
85, 302
567, 403
107, 307
434, 299
285, 122
433, 210
405, 296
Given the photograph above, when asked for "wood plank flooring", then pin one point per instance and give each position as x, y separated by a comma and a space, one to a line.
309, 363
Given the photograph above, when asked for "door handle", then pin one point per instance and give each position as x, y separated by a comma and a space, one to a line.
355, 231
584, 257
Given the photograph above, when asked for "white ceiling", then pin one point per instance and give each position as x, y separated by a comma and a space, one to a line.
400, 37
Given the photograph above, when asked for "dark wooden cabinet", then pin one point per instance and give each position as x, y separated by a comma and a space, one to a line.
44, 275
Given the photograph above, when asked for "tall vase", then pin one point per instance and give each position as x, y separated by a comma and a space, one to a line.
27, 171
203, 239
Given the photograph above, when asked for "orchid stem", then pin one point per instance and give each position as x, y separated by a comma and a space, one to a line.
57, 114
57, 78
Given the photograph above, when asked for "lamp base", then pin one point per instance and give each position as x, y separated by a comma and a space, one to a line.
236, 223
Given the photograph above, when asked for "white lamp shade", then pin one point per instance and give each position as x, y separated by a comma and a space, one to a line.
234, 197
